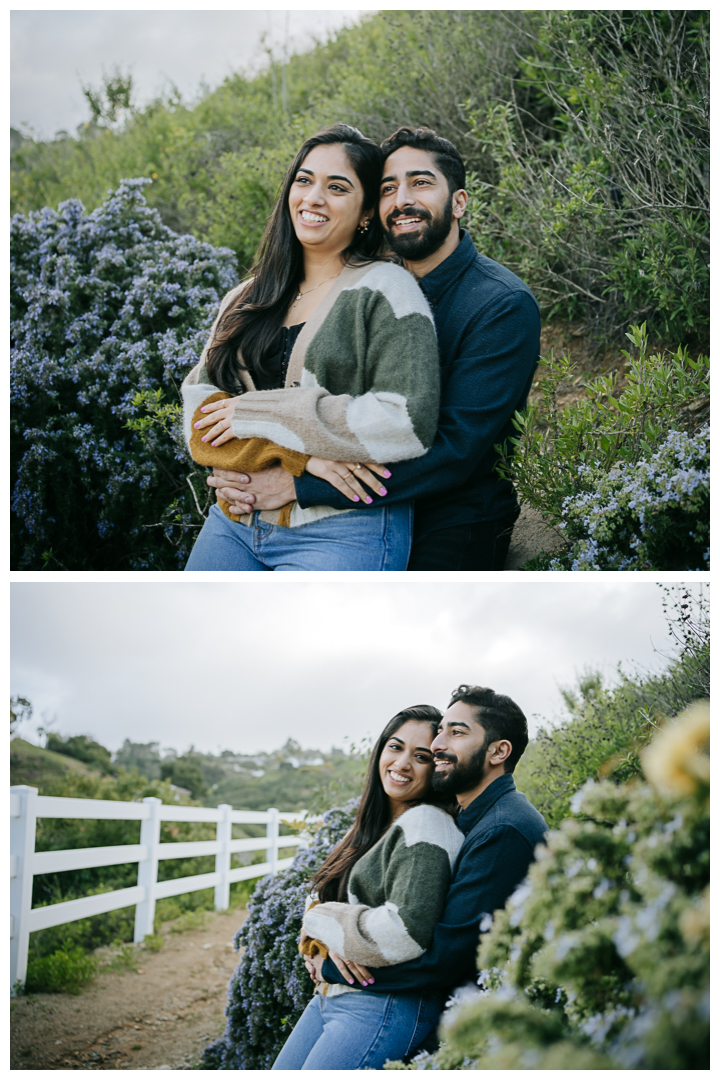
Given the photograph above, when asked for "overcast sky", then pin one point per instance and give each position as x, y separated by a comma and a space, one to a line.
54, 53
247, 666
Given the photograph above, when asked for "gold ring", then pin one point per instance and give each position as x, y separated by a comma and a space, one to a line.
345, 475
356, 467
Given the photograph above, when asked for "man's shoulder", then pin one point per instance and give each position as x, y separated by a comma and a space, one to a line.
494, 282
483, 281
513, 810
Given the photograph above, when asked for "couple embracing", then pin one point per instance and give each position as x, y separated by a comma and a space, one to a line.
441, 839
353, 390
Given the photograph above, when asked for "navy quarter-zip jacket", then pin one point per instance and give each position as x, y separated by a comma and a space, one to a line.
488, 327
502, 830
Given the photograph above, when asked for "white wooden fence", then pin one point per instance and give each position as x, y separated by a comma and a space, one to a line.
26, 806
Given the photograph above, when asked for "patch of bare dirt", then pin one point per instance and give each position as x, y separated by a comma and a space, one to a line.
160, 1017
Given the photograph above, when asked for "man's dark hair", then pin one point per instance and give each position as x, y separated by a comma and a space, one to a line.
499, 716
446, 157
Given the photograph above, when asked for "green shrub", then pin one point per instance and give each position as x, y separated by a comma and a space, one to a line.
65, 970
82, 748
600, 198
613, 425
153, 942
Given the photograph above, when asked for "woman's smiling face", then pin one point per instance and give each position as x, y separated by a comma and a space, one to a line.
406, 764
326, 199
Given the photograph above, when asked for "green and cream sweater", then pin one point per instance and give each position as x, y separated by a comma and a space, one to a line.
363, 384
396, 892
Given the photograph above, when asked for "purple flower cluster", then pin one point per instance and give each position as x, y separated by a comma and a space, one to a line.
270, 987
653, 515
103, 305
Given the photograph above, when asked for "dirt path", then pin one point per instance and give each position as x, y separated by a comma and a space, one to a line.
160, 1017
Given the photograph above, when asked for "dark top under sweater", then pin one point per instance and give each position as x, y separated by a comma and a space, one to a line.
276, 365
488, 327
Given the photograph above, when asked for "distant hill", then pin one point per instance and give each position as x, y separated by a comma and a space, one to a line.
290, 778
42, 768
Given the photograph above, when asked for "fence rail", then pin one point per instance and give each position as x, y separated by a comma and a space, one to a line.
26, 806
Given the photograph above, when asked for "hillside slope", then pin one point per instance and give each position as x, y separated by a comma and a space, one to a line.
42, 768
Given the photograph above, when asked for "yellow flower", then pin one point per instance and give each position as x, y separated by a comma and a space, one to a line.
695, 921
677, 761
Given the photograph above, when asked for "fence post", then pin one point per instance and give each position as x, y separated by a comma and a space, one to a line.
23, 818
272, 832
148, 869
222, 859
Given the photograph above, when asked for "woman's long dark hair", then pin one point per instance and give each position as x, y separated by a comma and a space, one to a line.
373, 816
252, 324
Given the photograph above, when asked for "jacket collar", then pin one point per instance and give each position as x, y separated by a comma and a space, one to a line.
478, 808
438, 281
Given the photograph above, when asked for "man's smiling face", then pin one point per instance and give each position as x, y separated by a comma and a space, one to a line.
459, 749
416, 207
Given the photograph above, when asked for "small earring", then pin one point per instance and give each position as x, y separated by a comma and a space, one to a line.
364, 227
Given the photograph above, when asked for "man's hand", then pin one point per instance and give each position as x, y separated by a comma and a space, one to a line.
313, 966
245, 492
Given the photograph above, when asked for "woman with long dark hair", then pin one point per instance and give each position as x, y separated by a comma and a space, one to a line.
325, 360
377, 898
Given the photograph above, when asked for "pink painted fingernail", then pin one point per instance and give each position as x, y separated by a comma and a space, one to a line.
356, 498
387, 473
203, 438
368, 500
383, 491
213, 444
350, 981
371, 981
198, 424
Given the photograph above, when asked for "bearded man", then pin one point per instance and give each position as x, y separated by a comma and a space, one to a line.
488, 327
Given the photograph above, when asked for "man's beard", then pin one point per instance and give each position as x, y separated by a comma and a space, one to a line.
425, 242
459, 778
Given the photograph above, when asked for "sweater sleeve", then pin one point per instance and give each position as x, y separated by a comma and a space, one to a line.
416, 876
241, 455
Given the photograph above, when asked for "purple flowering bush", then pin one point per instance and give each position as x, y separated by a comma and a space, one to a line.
270, 987
651, 515
109, 310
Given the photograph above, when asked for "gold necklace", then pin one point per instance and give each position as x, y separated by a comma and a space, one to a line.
301, 294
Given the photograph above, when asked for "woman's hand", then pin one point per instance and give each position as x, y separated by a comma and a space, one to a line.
346, 477
350, 970
220, 414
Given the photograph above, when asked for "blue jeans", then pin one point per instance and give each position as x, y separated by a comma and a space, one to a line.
372, 539
360, 1030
